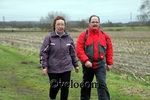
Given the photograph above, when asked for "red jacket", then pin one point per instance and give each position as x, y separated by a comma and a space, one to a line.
98, 40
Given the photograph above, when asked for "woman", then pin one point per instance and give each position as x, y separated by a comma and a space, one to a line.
57, 56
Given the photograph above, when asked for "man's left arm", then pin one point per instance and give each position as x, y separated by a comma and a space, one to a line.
109, 53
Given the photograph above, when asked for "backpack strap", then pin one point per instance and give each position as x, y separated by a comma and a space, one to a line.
86, 35
85, 38
104, 37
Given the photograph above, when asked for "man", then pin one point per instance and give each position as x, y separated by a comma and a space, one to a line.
95, 51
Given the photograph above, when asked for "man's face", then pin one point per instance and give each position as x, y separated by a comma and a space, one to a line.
94, 23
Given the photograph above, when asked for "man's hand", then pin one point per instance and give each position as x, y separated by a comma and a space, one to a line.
76, 69
108, 67
44, 71
88, 64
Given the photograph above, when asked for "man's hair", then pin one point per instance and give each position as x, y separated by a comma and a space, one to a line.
57, 18
94, 16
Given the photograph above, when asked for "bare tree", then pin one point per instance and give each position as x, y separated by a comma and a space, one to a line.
47, 21
144, 11
83, 23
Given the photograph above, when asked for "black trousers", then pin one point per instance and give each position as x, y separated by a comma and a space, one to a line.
88, 75
59, 81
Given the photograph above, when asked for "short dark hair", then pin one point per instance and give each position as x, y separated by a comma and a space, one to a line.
94, 16
58, 18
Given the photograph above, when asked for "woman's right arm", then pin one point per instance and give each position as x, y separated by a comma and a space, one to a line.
44, 53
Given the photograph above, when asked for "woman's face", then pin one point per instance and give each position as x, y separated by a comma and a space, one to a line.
60, 26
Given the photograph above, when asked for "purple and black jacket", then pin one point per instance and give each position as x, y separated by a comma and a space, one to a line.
57, 54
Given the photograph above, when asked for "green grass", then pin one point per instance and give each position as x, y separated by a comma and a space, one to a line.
21, 79
20, 76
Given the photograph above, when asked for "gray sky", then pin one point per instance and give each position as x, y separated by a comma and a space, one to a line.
33, 10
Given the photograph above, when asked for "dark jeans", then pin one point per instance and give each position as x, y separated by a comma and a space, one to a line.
59, 81
88, 75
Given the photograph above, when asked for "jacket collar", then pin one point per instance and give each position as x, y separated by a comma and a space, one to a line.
93, 31
54, 34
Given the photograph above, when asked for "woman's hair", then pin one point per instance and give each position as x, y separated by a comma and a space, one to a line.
94, 16
57, 18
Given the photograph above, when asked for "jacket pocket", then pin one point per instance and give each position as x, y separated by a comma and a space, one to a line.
101, 51
89, 50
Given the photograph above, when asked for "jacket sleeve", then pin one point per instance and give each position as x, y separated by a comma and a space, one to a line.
109, 50
44, 52
73, 54
80, 48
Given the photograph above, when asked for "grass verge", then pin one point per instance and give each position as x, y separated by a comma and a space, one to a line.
21, 79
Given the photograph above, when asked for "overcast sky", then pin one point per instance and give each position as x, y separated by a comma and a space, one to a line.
33, 10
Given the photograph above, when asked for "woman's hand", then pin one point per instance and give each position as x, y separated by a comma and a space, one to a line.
44, 71
76, 69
